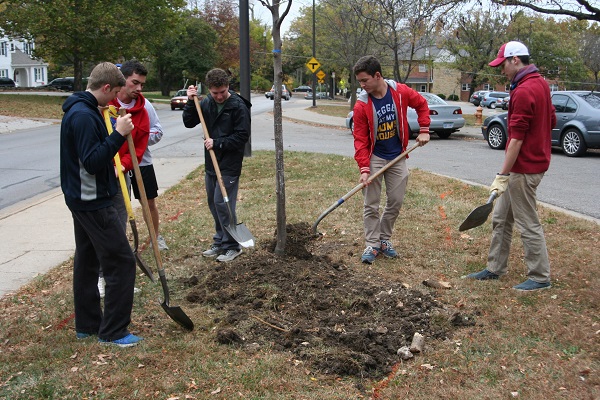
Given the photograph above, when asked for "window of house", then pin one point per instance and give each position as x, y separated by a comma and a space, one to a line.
465, 87
422, 68
3, 49
27, 48
422, 88
38, 74
12, 46
553, 87
3, 73
487, 86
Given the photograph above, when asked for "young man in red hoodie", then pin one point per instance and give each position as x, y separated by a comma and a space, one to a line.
381, 133
531, 117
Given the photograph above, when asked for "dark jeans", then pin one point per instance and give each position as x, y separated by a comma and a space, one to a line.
100, 242
218, 208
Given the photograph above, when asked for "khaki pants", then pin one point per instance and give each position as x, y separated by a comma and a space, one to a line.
378, 228
517, 206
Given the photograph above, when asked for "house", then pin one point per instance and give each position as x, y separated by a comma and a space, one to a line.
432, 73
17, 63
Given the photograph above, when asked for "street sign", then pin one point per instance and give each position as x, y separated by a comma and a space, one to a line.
321, 75
321, 81
313, 65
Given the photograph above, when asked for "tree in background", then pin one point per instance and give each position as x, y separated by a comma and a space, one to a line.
579, 9
89, 31
474, 43
186, 53
590, 51
404, 27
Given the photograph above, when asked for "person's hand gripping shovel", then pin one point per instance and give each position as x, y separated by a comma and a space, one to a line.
175, 312
141, 264
239, 232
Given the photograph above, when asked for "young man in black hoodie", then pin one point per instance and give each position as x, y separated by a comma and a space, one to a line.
227, 116
89, 183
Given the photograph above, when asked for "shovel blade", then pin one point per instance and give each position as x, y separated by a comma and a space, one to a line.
178, 315
241, 234
479, 215
142, 265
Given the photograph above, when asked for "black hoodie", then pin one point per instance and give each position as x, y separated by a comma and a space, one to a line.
87, 175
229, 129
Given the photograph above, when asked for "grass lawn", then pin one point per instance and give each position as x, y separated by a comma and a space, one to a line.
542, 345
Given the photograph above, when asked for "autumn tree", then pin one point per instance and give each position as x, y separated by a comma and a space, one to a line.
473, 44
88, 31
404, 27
590, 51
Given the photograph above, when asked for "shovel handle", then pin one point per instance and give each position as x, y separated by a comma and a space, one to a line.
361, 185
213, 157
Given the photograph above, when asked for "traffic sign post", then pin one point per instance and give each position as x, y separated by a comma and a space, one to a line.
313, 65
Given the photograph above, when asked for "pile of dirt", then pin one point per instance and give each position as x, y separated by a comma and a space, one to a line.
338, 320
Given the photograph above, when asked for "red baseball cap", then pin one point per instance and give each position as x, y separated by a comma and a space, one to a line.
507, 50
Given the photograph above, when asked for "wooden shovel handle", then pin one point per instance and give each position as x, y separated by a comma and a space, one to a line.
213, 157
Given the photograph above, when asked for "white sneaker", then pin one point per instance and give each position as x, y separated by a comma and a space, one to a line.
162, 245
101, 286
214, 251
229, 255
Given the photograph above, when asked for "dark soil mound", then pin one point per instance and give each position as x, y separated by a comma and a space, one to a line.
340, 320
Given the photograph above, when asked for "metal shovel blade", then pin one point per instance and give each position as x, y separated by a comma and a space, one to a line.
241, 234
479, 215
175, 312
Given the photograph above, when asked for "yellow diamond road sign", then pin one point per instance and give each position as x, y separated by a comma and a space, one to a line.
321, 75
313, 65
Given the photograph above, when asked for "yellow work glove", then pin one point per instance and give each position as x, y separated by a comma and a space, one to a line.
500, 184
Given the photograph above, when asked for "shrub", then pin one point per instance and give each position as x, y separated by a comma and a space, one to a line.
453, 97
442, 96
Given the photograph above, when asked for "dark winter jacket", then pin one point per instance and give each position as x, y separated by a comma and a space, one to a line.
229, 129
87, 174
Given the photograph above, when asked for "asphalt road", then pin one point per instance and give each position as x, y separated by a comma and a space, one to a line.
30, 168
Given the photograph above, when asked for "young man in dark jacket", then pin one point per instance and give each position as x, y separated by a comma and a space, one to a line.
89, 184
227, 116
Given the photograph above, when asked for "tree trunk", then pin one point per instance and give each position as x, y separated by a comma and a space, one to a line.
278, 132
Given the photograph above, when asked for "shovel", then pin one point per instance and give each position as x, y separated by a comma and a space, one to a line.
127, 201
239, 232
361, 185
479, 215
175, 312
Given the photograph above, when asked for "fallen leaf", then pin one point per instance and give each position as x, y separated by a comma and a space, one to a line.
434, 283
216, 391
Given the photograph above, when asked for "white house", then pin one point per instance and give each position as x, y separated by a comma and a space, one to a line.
17, 63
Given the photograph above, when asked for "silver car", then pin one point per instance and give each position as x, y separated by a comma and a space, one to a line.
445, 118
577, 123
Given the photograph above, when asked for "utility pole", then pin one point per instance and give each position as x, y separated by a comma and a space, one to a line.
245, 60
314, 45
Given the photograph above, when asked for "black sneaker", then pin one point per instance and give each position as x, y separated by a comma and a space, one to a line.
483, 275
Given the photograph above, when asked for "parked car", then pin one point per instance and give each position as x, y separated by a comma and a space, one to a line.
445, 118
66, 84
476, 97
7, 82
303, 89
490, 100
503, 103
285, 93
320, 95
577, 123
